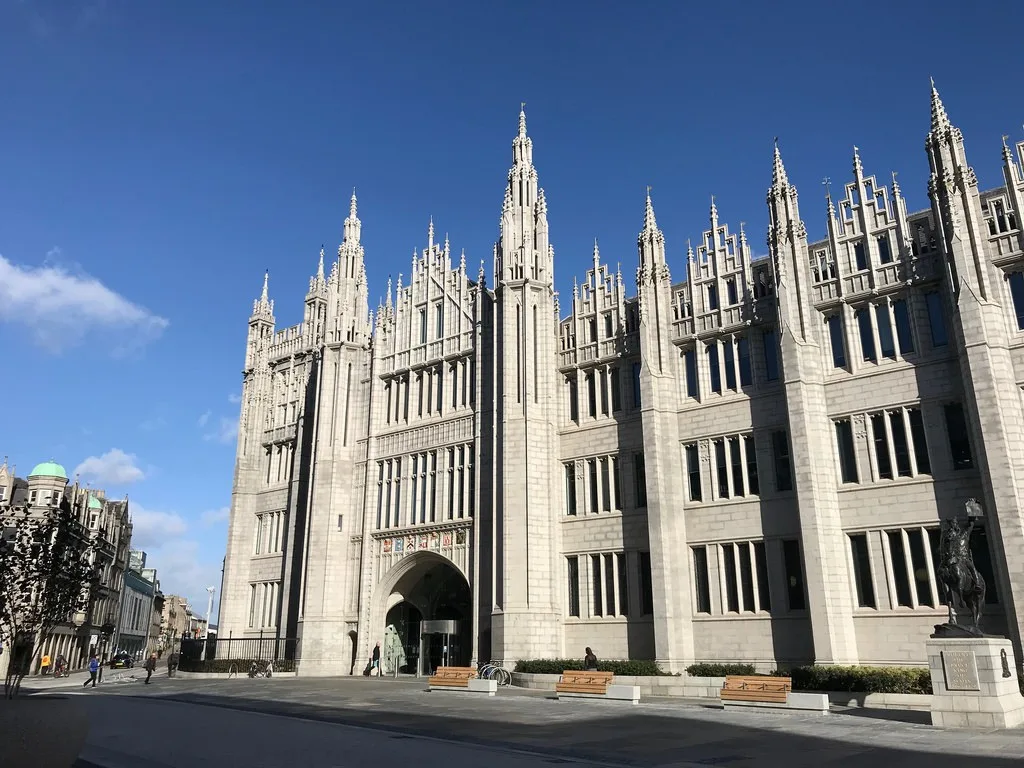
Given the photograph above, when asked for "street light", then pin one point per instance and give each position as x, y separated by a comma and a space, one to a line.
209, 610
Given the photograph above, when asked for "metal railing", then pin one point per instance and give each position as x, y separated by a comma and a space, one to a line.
256, 648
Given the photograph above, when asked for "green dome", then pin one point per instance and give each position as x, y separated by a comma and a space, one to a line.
94, 503
49, 469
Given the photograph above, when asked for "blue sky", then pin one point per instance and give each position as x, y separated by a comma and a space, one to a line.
157, 157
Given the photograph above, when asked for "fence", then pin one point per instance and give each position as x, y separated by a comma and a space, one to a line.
250, 648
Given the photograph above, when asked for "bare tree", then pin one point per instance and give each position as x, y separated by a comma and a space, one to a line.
47, 577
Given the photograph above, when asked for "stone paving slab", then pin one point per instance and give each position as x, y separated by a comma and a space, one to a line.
653, 733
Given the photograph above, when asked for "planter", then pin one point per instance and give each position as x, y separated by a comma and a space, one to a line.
660, 685
29, 724
914, 701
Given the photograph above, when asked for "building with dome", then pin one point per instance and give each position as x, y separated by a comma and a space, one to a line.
107, 521
746, 461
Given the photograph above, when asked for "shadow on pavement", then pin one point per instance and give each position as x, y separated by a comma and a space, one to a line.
893, 715
640, 739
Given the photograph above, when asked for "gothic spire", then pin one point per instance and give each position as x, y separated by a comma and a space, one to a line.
263, 306
522, 120
597, 258
779, 178
858, 169
320, 266
650, 223
940, 121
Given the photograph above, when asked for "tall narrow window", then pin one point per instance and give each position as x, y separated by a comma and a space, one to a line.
746, 575
898, 429
570, 489
1016, 280
936, 319
736, 464
924, 465
439, 320
794, 574
867, 338
847, 454
764, 599
904, 332
592, 472
591, 395
721, 465
771, 355
604, 391
712, 297
616, 483
606, 486
636, 385
620, 566
888, 348
646, 585
519, 354
959, 441
574, 400
713, 368
573, 564
613, 375
862, 570
730, 291
701, 581
743, 352
899, 568
690, 364
882, 459
423, 326
783, 467
639, 480
835, 335
730, 365
751, 450
609, 584
860, 260
608, 325
596, 584
732, 599
919, 567
593, 330
884, 251
693, 471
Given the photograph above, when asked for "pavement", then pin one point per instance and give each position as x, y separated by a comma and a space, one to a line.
340, 722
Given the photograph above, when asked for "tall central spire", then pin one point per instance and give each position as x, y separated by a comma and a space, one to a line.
940, 121
523, 250
779, 178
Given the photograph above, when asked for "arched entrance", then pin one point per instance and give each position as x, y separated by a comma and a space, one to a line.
429, 602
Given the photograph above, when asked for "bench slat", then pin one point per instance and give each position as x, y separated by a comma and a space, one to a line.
756, 688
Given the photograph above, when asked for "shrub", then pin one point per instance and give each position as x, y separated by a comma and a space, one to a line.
557, 666
223, 666
862, 679
719, 670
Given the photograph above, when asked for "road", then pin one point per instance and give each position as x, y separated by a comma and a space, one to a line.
336, 722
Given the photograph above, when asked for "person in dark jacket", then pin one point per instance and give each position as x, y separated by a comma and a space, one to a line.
375, 660
172, 663
590, 661
150, 667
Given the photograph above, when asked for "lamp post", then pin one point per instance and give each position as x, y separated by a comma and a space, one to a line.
209, 610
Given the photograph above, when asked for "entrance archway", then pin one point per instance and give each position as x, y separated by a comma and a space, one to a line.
429, 602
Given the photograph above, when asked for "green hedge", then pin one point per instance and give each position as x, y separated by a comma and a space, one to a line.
557, 666
224, 665
719, 670
862, 679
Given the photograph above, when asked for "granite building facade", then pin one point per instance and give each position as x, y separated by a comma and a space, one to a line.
748, 464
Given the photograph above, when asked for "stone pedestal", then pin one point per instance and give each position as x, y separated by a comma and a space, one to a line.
974, 683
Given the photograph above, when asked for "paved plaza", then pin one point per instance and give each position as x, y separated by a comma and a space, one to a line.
355, 721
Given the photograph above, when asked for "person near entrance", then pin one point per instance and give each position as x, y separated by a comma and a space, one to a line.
375, 660
590, 661
44, 665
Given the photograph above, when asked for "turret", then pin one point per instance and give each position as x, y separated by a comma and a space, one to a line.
787, 241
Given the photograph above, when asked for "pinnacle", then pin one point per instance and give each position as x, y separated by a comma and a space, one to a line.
650, 223
352, 205
266, 286
320, 267
522, 119
779, 178
858, 169
940, 121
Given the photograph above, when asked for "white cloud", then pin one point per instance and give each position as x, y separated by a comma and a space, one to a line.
205, 418
214, 516
61, 307
226, 431
234, 398
114, 467
152, 529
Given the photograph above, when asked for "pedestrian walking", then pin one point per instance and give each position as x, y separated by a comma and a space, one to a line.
172, 663
94, 669
590, 661
375, 660
60, 668
150, 667
44, 665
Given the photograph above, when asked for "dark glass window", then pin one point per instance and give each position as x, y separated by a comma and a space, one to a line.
859, 257
701, 581
904, 332
730, 292
922, 579
736, 463
609, 583
1017, 295
835, 335
899, 443
574, 586
613, 373
884, 251
847, 454
713, 367
959, 440
646, 586
761, 565
743, 351
751, 450
592, 473
867, 338
899, 567
882, 459
794, 575
720, 464
596, 584
636, 385
693, 470
731, 592
746, 575
936, 319
617, 482
591, 395
771, 355
924, 465
783, 467
712, 296
888, 348
639, 480
620, 563
570, 489
690, 363
862, 571
730, 366
574, 401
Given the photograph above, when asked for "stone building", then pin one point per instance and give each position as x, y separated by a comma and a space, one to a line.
747, 464
108, 522
138, 596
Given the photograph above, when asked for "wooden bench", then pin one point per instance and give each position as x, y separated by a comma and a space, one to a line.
452, 677
590, 685
756, 689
